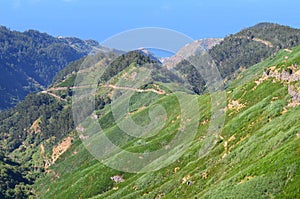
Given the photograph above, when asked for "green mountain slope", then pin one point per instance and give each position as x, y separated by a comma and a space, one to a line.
242, 50
252, 45
255, 156
13, 183
29, 132
29, 60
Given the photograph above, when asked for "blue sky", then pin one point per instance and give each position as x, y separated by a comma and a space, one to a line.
100, 19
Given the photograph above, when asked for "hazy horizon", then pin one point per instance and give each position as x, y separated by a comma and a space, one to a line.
100, 20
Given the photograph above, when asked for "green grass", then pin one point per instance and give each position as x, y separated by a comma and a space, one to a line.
69, 82
256, 156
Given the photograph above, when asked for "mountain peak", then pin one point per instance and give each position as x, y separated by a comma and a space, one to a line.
191, 49
149, 54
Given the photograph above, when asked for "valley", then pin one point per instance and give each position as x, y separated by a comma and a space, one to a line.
125, 125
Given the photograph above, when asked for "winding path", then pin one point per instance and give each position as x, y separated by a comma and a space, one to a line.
157, 91
53, 95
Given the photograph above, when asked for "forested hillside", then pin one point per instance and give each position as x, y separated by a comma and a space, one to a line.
40, 118
254, 154
242, 50
29, 60
252, 45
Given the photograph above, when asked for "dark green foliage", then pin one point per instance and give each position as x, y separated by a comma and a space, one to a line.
241, 49
123, 62
161, 74
193, 77
55, 120
71, 69
234, 53
260, 157
68, 82
101, 102
280, 36
13, 183
30, 60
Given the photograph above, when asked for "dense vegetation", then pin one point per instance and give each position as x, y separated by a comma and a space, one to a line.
29, 60
71, 69
38, 119
54, 120
252, 45
192, 76
44, 120
123, 62
256, 155
13, 182
244, 49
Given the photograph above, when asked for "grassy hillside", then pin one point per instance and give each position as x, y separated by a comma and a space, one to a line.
255, 156
257, 149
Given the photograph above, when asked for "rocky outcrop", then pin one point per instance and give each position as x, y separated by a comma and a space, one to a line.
295, 94
117, 178
291, 74
61, 148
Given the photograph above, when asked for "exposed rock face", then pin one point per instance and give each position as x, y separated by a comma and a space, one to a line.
289, 75
117, 179
35, 127
294, 94
61, 148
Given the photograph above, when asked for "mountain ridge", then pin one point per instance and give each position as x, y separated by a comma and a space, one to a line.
29, 61
255, 155
189, 50
254, 151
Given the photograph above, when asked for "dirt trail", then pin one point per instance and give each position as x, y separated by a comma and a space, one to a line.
56, 96
157, 90
74, 87
267, 43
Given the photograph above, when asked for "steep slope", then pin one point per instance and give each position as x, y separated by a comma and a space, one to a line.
33, 135
30, 60
257, 150
13, 184
27, 134
189, 50
147, 53
241, 50
252, 45
39, 130
256, 155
